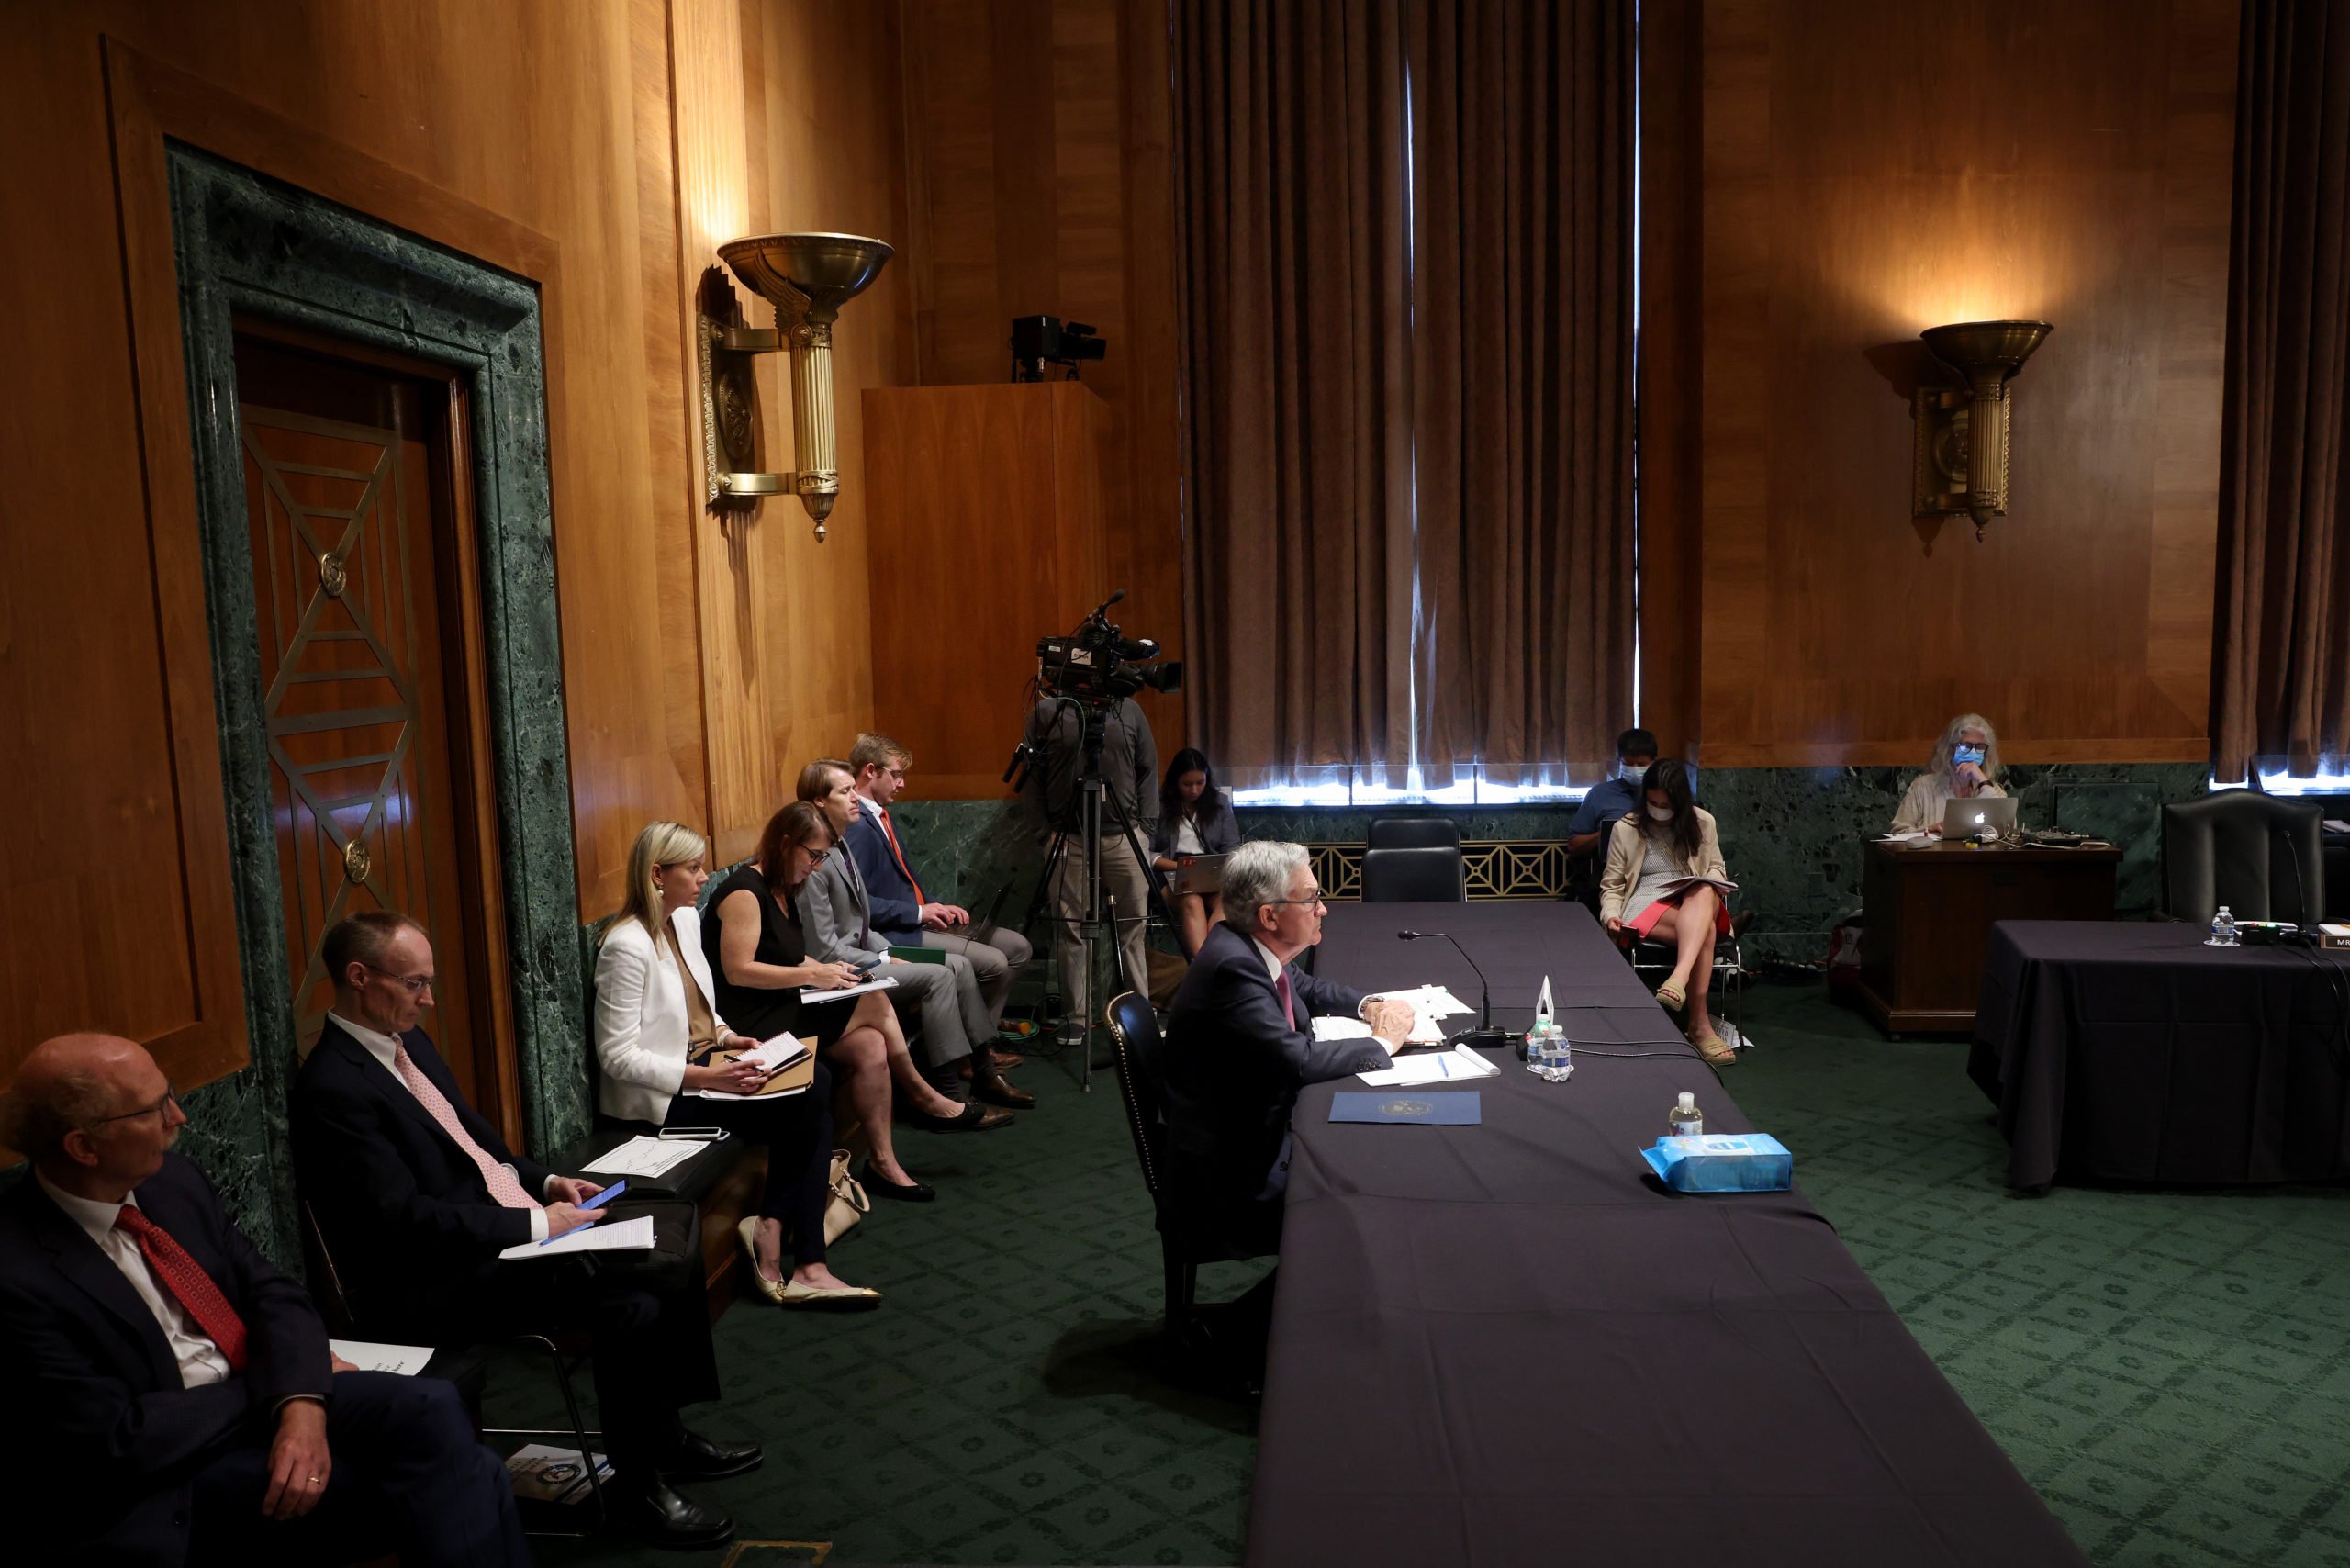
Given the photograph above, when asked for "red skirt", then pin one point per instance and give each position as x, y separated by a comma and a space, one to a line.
1643, 923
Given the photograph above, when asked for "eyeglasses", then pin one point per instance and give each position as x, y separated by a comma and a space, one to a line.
1316, 898
171, 1100
417, 984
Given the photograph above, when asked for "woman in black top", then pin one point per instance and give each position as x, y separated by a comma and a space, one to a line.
1194, 818
758, 956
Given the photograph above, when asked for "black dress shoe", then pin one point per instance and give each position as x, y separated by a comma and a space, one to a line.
697, 1456
880, 1186
975, 1118
659, 1517
997, 1090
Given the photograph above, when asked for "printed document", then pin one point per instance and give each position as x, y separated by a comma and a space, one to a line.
628, 1235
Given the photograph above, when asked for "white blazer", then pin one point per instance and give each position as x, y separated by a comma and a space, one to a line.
642, 1030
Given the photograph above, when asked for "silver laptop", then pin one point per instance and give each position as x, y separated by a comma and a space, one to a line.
1973, 819
1199, 873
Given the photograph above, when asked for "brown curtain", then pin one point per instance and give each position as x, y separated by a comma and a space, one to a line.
1289, 122
2281, 670
1523, 133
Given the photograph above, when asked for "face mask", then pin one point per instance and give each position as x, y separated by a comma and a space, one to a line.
1972, 754
1629, 773
1661, 814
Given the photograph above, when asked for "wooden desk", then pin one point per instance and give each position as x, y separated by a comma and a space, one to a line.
1929, 913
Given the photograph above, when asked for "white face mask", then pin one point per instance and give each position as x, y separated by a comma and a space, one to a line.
1661, 814
1629, 773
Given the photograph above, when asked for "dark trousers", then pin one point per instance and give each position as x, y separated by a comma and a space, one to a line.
798, 1131
648, 1313
408, 1476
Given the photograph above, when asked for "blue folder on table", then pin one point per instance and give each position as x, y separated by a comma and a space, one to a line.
1454, 1108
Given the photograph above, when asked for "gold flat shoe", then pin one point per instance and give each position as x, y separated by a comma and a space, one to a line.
749, 1233
843, 1298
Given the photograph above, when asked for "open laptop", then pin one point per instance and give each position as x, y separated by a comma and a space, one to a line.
1973, 819
1199, 873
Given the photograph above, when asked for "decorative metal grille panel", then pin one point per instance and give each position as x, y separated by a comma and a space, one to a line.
1495, 868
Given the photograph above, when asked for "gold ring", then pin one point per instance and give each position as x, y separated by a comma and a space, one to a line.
314, 1481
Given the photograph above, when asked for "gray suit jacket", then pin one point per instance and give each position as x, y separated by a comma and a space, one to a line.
834, 913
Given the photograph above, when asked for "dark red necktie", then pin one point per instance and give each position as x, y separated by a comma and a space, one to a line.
188, 1283
1281, 989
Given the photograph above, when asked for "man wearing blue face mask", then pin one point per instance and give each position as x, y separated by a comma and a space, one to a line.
1614, 797
1964, 766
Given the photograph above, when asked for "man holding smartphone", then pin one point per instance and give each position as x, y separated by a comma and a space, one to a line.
836, 912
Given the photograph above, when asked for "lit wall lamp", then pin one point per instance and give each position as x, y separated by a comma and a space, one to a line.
807, 278
1963, 432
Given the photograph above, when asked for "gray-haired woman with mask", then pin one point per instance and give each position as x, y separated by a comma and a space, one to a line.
1964, 766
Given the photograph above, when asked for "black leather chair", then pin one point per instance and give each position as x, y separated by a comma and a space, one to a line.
1428, 874
1414, 832
2261, 856
1134, 1047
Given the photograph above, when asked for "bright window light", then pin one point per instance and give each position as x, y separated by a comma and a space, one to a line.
2283, 783
1469, 787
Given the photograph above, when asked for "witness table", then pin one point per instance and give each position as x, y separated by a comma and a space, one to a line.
1931, 907
2130, 1052
1507, 1344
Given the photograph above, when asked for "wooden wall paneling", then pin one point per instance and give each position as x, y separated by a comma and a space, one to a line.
1845, 211
831, 155
950, 72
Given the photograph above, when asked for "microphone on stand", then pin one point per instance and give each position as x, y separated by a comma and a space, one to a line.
1484, 1034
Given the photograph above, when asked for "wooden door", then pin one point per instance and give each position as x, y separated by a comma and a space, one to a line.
356, 501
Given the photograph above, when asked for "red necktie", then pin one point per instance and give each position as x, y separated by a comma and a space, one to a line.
1281, 989
899, 855
189, 1284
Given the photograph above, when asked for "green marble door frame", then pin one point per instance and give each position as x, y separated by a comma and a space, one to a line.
249, 246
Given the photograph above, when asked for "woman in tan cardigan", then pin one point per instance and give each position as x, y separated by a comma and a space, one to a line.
1670, 838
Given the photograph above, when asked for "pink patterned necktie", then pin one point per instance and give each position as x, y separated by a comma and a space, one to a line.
501, 1182
1281, 989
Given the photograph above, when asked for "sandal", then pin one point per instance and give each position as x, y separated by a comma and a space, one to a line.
1715, 1049
1671, 996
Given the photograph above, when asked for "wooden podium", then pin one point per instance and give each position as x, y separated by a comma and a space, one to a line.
1928, 908
990, 511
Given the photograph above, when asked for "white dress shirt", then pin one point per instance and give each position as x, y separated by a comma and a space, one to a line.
384, 1047
200, 1360
1274, 966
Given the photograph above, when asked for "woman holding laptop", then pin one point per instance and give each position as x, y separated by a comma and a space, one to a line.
1194, 818
657, 1025
1964, 766
1665, 882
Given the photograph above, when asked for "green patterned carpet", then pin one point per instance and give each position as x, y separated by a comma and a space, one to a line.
2171, 1372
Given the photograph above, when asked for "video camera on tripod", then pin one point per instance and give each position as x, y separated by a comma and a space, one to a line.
1094, 664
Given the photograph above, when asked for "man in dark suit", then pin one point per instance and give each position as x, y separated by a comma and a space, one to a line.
1240, 1044
169, 1396
416, 1195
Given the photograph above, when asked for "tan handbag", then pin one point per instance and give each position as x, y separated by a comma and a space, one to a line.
847, 1205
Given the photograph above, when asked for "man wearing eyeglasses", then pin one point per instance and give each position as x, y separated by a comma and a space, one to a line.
169, 1395
1239, 1045
416, 1195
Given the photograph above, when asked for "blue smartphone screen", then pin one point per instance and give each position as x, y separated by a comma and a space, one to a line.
606, 1196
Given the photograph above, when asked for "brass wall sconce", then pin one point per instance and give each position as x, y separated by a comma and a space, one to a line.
1962, 432
807, 278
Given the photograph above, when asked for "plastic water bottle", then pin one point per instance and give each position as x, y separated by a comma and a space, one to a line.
1558, 1057
2224, 929
1537, 1040
1684, 1120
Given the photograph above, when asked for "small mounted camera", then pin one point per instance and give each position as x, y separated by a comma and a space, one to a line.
1040, 341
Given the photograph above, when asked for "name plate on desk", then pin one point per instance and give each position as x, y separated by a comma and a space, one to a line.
1460, 1108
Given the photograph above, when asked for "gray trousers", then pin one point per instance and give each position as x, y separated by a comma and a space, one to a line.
946, 999
993, 957
1123, 880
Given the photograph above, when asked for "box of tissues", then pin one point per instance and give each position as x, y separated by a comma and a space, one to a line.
1722, 1163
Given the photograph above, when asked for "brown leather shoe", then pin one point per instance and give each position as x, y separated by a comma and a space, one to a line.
1004, 1062
997, 1090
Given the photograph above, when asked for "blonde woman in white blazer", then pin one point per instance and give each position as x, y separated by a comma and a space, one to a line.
657, 1014
1669, 837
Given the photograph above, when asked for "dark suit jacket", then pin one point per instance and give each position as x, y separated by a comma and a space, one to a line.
896, 914
100, 1440
406, 1216
1231, 1068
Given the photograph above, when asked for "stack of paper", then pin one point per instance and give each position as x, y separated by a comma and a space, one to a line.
644, 1157
628, 1235
549, 1474
1431, 1005
406, 1360
808, 994
1440, 1067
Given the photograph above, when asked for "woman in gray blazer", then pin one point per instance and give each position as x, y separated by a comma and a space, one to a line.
1194, 818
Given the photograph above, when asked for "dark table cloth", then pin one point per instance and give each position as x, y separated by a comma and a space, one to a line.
1507, 1344
2132, 1052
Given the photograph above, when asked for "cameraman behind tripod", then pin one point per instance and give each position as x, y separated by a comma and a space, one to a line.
1054, 739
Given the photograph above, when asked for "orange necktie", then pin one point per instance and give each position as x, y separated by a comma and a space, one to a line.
899, 855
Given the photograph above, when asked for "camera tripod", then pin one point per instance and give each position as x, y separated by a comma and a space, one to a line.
1097, 924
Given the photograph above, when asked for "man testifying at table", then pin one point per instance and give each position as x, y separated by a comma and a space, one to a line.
416, 1195
166, 1397
1240, 1044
